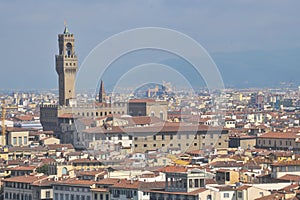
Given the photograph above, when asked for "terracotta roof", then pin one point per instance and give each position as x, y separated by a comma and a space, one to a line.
27, 149
272, 197
142, 120
244, 187
107, 181
84, 160
287, 163
192, 193
75, 182
23, 168
47, 160
67, 116
59, 146
24, 117
226, 164
25, 179
128, 184
279, 135
44, 182
174, 169
160, 127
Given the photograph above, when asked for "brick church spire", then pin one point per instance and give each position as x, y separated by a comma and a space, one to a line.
102, 94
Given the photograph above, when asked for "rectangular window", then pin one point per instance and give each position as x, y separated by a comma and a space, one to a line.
202, 183
227, 174
25, 140
226, 195
162, 137
196, 182
240, 195
171, 137
47, 194
20, 141
14, 140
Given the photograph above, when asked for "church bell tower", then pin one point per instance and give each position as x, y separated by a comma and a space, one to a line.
66, 68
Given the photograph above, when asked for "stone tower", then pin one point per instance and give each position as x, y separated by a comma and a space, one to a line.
66, 68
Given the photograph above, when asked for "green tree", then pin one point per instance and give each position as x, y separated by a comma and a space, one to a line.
43, 169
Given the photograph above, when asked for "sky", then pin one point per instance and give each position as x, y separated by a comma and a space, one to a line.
253, 43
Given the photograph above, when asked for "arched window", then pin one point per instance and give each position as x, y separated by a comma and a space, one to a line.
64, 171
152, 113
69, 49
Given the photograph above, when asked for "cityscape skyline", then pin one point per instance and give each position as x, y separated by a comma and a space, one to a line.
253, 44
154, 100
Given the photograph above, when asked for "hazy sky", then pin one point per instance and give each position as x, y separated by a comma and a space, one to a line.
252, 42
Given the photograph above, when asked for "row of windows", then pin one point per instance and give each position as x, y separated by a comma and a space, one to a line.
18, 185
275, 142
67, 64
97, 114
21, 140
101, 196
128, 193
75, 189
9, 195
179, 145
58, 196
163, 137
